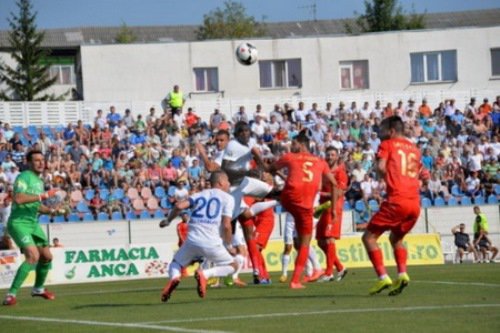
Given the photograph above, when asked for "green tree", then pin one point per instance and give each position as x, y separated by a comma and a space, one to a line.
229, 22
125, 35
30, 77
385, 15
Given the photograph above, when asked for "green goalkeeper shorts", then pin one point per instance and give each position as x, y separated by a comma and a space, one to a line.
27, 235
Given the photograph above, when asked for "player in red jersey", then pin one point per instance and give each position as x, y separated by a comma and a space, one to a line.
328, 229
182, 231
305, 173
399, 163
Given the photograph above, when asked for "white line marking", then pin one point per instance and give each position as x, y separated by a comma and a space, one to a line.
476, 284
102, 323
297, 314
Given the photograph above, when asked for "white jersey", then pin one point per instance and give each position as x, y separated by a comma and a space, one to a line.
241, 154
207, 209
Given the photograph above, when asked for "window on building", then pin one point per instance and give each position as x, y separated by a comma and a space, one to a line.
280, 73
495, 62
354, 74
433, 66
206, 79
64, 74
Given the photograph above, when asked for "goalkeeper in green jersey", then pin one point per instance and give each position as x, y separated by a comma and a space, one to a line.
24, 229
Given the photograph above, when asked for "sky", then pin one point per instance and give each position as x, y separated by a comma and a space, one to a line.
54, 14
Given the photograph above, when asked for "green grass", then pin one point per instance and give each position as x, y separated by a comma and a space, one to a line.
445, 298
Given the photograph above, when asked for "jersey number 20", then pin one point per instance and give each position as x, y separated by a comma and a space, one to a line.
211, 208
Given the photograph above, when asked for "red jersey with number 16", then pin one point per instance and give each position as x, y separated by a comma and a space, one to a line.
305, 172
403, 168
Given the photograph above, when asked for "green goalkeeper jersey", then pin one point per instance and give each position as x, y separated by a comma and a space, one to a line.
27, 182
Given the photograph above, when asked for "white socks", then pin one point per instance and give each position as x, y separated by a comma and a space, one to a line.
241, 261
285, 260
218, 271
313, 258
174, 270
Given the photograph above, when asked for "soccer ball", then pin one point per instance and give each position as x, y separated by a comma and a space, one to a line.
246, 54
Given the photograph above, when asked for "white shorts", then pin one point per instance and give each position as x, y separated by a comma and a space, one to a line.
251, 187
238, 237
189, 251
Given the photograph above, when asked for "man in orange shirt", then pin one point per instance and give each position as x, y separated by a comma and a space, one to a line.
305, 173
329, 229
182, 231
399, 163
424, 110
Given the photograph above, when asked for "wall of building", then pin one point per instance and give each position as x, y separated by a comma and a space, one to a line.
146, 72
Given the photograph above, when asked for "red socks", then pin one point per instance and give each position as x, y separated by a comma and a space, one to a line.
300, 263
377, 260
338, 265
400, 255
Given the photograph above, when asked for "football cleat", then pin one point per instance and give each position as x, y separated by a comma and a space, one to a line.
202, 283
380, 285
10, 300
228, 281
45, 294
239, 283
317, 273
400, 284
341, 275
296, 285
318, 211
326, 278
169, 289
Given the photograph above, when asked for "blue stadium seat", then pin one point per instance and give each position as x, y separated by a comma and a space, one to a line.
347, 206
165, 204
118, 194
466, 201
145, 215
102, 216
131, 216
44, 219
104, 194
116, 216
73, 217
439, 202
373, 204
159, 214
89, 194
452, 201
479, 200
492, 199
82, 207
59, 219
17, 129
497, 189
455, 191
425, 202
360, 206
88, 217
160, 192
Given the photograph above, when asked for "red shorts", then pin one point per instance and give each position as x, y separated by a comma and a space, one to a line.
303, 218
326, 227
398, 216
263, 229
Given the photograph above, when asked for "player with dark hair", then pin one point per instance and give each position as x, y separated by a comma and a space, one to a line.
305, 174
399, 163
328, 229
24, 229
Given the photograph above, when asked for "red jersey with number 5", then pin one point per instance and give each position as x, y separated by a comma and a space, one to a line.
403, 168
305, 172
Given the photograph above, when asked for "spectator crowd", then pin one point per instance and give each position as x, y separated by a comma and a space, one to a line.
122, 166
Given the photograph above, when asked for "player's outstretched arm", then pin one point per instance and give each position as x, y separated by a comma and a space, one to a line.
210, 165
178, 208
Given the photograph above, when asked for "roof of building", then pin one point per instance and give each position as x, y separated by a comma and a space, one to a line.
73, 37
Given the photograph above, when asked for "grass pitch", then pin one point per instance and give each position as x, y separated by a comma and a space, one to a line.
445, 298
